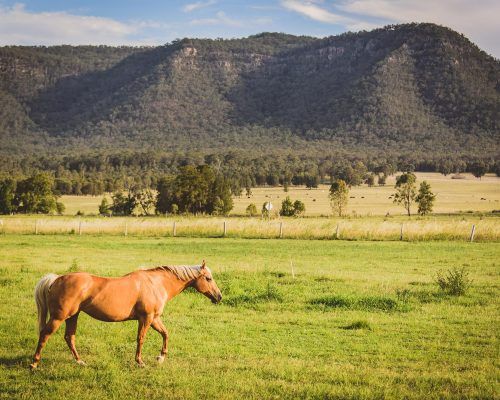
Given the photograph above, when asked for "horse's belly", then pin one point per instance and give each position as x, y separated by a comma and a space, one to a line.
109, 315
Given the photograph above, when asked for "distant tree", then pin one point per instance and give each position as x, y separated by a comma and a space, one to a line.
292, 209
35, 194
145, 199
123, 204
478, 169
264, 211
287, 207
382, 179
251, 210
446, 167
104, 209
425, 199
60, 208
299, 208
370, 180
7, 196
339, 196
405, 190
311, 181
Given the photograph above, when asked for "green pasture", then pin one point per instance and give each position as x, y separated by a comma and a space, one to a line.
359, 320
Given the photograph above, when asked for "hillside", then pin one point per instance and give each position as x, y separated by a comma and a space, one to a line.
409, 88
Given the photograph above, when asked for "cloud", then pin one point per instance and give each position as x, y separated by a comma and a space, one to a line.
21, 27
478, 21
199, 4
312, 10
220, 19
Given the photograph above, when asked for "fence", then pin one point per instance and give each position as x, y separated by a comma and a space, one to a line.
487, 229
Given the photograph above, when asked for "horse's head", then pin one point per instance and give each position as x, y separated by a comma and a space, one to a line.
205, 284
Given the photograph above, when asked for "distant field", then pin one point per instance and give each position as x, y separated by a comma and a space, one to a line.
470, 194
337, 330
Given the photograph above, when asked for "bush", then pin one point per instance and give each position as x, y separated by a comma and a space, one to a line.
358, 325
455, 282
251, 210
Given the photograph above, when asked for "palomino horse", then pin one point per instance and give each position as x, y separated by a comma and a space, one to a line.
140, 295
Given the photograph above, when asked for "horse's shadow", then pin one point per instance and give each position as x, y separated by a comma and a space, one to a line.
17, 361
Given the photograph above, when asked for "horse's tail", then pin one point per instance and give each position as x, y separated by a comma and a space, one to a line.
42, 298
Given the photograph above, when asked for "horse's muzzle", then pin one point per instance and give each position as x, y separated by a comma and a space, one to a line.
216, 299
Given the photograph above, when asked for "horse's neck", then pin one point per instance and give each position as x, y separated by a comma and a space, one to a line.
173, 285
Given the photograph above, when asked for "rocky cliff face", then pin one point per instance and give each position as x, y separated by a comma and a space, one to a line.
385, 87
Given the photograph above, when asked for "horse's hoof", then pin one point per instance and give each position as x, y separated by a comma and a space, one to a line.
160, 359
33, 366
81, 362
141, 365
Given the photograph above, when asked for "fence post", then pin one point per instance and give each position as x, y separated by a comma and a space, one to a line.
401, 233
36, 227
281, 229
80, 228
225, 229
337, 232
293, 272
126, 228
174, 231
1, 226
472, 232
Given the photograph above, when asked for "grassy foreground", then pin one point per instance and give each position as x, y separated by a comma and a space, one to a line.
338, 329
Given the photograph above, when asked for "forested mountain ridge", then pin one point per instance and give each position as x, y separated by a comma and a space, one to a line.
417, 88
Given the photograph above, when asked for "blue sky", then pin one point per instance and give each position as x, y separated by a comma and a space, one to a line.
153, 22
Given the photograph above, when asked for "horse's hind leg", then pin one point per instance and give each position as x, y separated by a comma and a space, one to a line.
70, 335
50, 328
158, 326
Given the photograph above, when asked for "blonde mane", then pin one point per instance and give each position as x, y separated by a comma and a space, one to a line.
182, 272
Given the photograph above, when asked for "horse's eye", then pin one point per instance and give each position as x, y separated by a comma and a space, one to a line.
208, 279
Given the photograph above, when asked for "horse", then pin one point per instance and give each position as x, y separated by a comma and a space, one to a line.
140, 295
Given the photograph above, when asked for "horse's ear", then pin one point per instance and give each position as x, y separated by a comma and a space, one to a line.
203, 264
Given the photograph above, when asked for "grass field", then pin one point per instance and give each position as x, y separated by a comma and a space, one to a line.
452, 196
336, 330
440, 227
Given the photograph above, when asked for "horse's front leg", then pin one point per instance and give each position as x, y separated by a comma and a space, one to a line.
158, 326
144, 324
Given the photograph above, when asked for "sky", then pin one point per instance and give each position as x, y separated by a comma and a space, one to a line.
156, 22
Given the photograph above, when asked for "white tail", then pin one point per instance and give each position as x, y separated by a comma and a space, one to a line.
41, 298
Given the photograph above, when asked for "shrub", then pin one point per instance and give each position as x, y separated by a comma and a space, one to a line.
251, 210
455, 281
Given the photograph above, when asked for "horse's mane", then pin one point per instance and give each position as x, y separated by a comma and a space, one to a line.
182, 272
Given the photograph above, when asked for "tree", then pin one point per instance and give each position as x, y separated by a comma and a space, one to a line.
123, 204
104, 209
287, 209
370, 181
405, 190
299, 208
339, 196
145, 199
425, 199
382, 179
478, 169
292, 209
251, 210
35, 194
7, 196
195, 190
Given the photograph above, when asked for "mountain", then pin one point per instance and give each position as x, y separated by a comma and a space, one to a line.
405, 88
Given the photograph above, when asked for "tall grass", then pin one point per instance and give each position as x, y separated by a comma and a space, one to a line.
375, 228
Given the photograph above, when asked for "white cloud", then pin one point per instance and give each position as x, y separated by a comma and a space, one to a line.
476, 20
220, 19
312, 10
199, 4
21, 27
